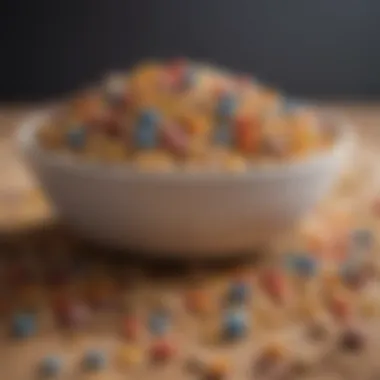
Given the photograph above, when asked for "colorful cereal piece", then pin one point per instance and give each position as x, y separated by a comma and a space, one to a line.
76, 138
352, 340
159, 323
176, 71
273, 283
317, 330
115, 90
198, 301
340, 308
162, 351
71, 314
302, 265
235, 163
362, 238
274, 146
130, 327
235, 324
217, 369
226, 106
223, 135
189, 78
24, 325
175, 139
128, 356
353, 276
94, 360
146, 131
154, 161
194, 365
50, 366
247, 134
239, 292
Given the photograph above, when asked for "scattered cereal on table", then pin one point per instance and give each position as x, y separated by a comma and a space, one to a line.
352, 340
159, 323
302, 265
130, 327
128, 356
24, 325
239, 292
50, 366
235, 324
94, 360
217, 369
162, 350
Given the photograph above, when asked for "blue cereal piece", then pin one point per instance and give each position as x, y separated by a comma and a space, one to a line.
302, 265
234, 324
146, 133
362, 238
76, 138
238, 292
226, 106
94, 360
23, 325
159, 323
148, 117
223, 135
50, 366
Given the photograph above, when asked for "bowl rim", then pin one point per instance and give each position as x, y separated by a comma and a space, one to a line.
27, 143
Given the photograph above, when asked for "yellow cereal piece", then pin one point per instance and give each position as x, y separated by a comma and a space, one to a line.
128, 356
106, 149
154, 161
218, 368
51, 137
306, 135
235, 163
308, 308
274, 350
196, 124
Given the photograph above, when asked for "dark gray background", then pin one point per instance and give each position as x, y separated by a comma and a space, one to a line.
312, 48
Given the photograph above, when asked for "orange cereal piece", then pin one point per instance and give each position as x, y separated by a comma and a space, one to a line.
130, 328
217, 369
89, 108
306, 135
247, 134
198, 301
273, 283
340, 308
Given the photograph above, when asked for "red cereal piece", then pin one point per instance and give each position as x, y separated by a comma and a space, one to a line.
162, 351
130, 328
175, 72
340, 308
273, 282
175, 139
246, 135
70, 314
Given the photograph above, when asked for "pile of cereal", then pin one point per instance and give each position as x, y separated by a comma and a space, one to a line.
180, 115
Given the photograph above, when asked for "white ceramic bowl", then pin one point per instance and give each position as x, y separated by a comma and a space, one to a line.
181, 213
